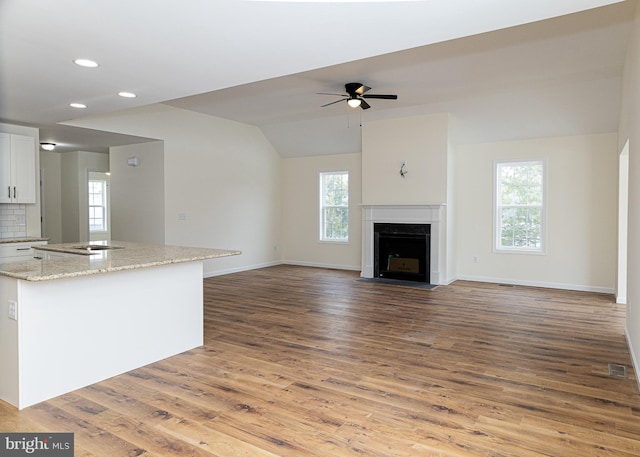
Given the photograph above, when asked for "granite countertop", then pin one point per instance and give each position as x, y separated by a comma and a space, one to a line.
24, 239
125, 256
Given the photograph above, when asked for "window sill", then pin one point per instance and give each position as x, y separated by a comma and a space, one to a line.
519, 251
343, 242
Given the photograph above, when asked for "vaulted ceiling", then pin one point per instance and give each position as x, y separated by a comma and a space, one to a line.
503, 69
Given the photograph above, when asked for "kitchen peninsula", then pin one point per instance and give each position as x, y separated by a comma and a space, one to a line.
97, 311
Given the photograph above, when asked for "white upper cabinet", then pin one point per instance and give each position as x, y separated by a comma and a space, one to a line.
17, 168
5, 168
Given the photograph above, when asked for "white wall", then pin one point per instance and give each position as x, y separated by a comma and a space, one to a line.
221, 180
137, 193
70, 198
301, 217
52, 195
582, 175
420, 141
75, 167
630, 130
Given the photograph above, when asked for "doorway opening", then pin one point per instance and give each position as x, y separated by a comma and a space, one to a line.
623, 214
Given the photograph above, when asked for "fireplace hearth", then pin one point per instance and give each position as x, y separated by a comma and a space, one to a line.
402, 251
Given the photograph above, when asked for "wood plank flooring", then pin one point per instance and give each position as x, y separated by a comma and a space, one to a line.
310, 362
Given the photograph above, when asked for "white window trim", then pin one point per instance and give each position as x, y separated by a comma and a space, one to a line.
321, 238
103, 206
543, 234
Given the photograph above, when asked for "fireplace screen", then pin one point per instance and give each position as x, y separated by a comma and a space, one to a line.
402, 251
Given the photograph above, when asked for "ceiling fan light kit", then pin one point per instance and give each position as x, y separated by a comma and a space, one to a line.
354, 102
356, 93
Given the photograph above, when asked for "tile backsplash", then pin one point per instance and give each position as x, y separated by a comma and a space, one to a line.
13, 220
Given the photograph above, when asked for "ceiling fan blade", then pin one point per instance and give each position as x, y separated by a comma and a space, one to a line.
356, 88
333, 103
362, 89
381, 96
356, 92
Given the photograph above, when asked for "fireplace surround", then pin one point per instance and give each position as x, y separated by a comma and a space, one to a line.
431, 214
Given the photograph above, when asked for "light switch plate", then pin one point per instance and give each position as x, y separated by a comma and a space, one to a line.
13, 310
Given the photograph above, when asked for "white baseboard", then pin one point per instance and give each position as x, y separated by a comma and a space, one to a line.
634, 359
548, 285
604, 290
449, 281
323, 265
210, 274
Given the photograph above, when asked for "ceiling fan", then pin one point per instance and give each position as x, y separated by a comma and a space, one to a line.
356, 93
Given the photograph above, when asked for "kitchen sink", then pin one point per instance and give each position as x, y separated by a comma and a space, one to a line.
96, 247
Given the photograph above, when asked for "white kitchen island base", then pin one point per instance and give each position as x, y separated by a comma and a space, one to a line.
73, 332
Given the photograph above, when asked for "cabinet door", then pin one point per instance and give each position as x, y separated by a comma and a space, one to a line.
23, 155
5, 168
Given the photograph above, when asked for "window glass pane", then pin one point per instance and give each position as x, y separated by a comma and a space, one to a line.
336, 226
337, 189
521, 184
96, 218
521, 227
519, 205
334, 206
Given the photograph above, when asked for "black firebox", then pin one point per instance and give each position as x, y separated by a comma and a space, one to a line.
402, 251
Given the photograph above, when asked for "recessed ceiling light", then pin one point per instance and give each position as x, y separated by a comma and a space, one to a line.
127, 94
77, 105
86, 63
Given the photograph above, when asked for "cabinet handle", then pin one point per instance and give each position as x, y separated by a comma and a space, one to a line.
22, 249
14, 191
9, 188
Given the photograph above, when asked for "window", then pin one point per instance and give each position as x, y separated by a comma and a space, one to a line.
97, 206
334, 206
520, 206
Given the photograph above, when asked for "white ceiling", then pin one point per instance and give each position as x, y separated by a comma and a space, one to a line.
504, 69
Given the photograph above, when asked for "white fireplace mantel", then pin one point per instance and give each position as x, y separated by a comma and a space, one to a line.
407, 214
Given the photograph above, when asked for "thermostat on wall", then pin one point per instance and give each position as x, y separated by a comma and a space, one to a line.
132, 161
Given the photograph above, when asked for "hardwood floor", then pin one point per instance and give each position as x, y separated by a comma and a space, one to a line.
310, 362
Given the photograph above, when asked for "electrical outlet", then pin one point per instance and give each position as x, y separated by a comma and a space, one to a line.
182, 216
13, 310
21, 219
